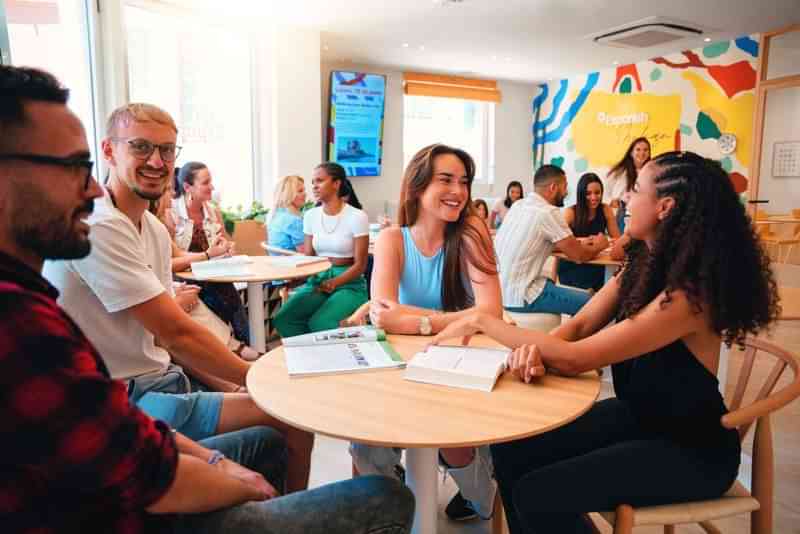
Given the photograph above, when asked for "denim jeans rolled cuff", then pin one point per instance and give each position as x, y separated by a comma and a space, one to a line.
555, 299
363, 505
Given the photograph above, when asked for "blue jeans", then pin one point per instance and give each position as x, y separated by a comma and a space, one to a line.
364, 505
555, 299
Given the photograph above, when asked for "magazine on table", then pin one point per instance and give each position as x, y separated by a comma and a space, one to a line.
236, 266
460, 367
341, 350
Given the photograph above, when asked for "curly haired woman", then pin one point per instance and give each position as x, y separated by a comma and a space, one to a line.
695, 275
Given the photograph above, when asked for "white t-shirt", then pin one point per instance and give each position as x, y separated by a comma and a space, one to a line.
530, 230
333, 234
124, 268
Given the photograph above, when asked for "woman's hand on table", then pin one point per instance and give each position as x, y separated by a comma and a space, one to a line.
463, 328
526, 363
223, 247
392, 316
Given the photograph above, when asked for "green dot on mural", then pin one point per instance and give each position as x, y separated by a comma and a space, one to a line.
716, 49
655, 75
581, 165
626, 86
706, 127
557, 161
570, 145
686, 129
727, 164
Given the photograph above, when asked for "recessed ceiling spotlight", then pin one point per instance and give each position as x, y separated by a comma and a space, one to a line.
707, 39
405, 45
615, 62
447, 2
421, 47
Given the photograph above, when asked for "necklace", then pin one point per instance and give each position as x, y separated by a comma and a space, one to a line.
322, 221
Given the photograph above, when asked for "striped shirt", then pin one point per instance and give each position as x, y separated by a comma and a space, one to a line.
530, 230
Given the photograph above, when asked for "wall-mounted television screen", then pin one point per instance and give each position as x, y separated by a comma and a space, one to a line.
355, 122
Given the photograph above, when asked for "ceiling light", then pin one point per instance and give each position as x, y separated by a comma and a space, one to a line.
615, 62
707, 39
405, 45
421, 47
494, 58
508, 59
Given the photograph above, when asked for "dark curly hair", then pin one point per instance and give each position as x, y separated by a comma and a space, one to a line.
707, 247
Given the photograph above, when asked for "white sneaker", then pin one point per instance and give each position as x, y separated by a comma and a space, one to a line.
476, 482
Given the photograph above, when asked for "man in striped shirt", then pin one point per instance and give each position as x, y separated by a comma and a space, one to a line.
532, 228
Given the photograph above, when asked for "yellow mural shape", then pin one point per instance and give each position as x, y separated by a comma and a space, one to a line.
732, 115
608, 122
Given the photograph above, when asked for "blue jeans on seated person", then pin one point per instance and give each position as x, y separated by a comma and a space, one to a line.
555, 299
364, 505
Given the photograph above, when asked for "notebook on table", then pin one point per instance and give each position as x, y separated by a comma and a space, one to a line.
459, 367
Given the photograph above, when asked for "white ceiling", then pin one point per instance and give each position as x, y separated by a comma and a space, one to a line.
522, 40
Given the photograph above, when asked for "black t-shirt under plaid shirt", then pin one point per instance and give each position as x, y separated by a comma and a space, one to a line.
75, 455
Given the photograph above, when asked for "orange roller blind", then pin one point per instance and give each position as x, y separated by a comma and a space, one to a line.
416, 83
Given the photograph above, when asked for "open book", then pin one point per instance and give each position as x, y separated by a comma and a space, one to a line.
218, 267
294, 260
460, 367
341, 350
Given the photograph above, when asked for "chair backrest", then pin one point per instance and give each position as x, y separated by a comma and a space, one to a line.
761, 214
248, 236
765, 401
796, 213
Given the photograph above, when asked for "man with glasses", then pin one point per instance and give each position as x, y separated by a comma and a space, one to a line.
121, 297
79, 457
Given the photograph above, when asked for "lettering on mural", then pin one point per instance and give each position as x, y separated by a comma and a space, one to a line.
617, 120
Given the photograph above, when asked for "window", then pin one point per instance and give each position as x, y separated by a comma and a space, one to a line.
53, 35
465, 124
201, 75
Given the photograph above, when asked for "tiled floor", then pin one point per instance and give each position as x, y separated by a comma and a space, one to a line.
331, 461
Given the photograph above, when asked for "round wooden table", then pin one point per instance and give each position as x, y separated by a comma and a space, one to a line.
381, 408
261, 271
604, 259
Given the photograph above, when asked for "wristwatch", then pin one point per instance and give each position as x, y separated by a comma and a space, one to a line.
425, 327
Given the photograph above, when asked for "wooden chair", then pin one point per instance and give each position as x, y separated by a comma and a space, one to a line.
790, 241
758, 502
248, 236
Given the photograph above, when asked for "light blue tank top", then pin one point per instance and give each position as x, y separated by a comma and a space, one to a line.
421, 279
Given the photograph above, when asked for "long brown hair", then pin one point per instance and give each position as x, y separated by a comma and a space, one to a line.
627, 165
707, 247
464, 244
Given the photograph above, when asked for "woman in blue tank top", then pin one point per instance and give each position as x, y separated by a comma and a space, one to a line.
431, 270
695, 276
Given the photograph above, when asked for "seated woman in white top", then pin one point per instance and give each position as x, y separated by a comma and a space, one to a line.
339, 232
435, 267
199, 229
514, 192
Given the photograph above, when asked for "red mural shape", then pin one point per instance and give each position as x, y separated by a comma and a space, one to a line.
629, 70
678, 139
739, 182
733, 78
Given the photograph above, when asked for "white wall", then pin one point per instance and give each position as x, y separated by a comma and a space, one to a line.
513, 139
287, 82
781, 123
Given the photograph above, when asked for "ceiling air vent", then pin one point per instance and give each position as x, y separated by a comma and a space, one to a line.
652, 31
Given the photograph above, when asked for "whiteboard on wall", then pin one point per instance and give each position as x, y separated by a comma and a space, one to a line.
786, 159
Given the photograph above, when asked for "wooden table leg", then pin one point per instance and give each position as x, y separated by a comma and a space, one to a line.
421, 478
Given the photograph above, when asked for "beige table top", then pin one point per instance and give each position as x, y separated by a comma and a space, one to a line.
263, 271
382, 408
790, 303
604, 258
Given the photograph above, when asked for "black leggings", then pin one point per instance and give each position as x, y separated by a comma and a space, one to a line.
599, 461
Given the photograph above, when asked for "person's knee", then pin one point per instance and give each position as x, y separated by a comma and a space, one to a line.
324, 321
398, 498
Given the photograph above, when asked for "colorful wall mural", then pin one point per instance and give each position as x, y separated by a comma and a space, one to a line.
681, 101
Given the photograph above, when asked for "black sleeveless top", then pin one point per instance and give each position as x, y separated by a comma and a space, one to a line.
596, 226
673, 395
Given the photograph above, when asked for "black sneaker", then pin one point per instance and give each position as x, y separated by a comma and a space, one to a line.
400, 472
460, 509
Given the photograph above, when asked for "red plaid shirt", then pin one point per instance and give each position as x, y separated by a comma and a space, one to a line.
75, 455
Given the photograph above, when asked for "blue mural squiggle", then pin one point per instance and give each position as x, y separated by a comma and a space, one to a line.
540, 136
748, 45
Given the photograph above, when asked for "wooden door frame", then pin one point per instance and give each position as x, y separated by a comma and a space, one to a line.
763, 86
